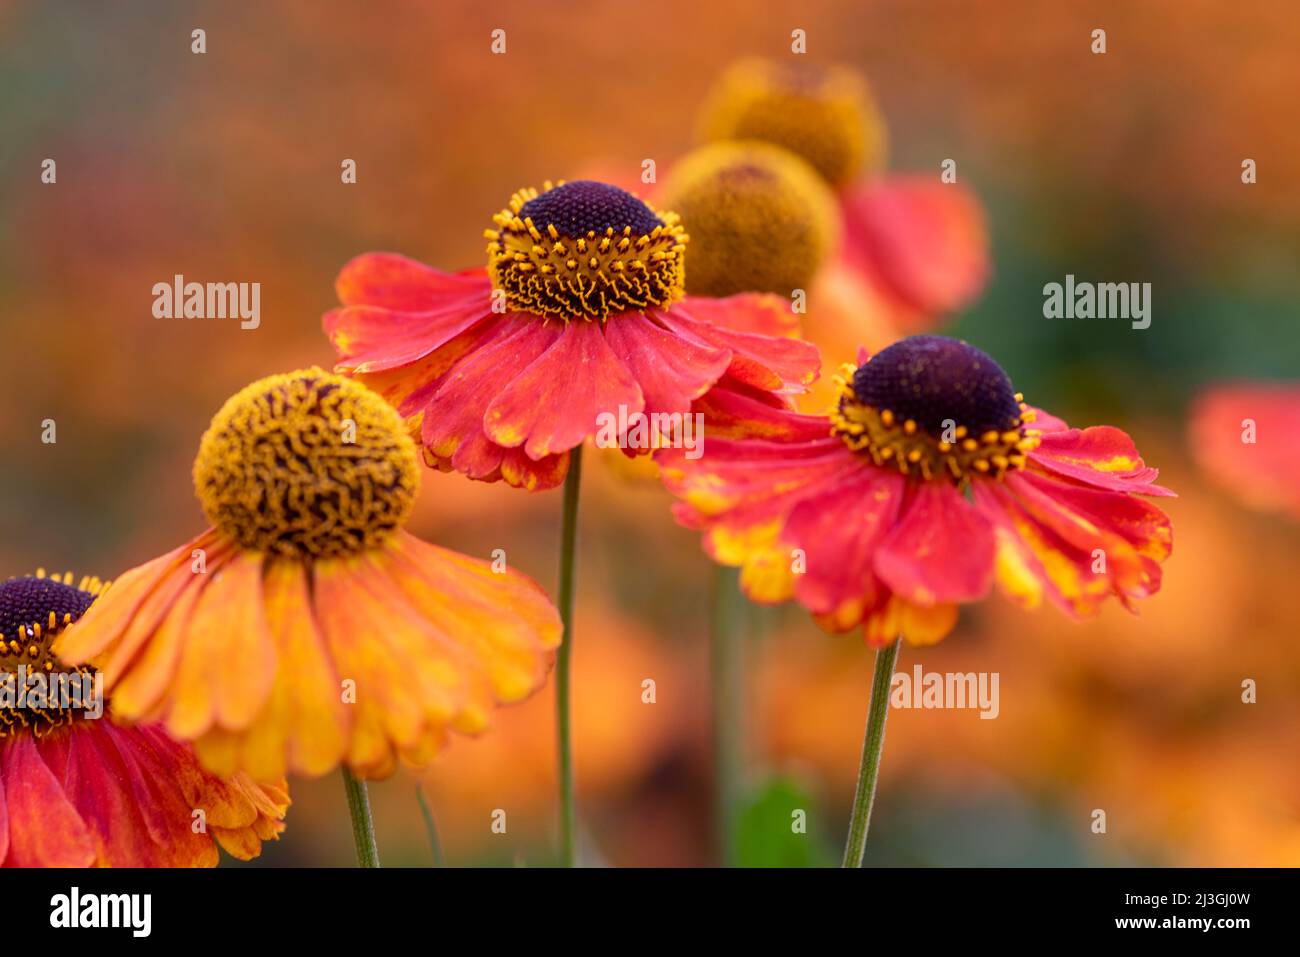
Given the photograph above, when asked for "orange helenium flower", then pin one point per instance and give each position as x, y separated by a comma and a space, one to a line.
913, 244
1255, 425
929, 479
76, 788
306, 627
580, 311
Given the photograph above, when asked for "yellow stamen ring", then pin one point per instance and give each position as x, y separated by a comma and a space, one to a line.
591, 275
28, 644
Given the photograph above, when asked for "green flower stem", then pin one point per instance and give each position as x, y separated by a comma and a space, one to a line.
568, 541
430, 827
872, 745
363, 826
726, 677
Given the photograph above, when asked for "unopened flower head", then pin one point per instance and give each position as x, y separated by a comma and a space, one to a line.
761, 218
824, 114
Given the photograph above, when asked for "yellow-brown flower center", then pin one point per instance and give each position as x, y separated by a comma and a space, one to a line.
934, 407
306, 464
585, 250
761, 219
823, 114
38, 692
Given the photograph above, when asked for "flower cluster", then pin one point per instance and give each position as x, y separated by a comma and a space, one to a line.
305, 629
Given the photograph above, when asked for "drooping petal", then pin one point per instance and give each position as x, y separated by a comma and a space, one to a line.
1102, 456
735, 411
741, 492
103, 626
671, 371
304, 726
771, 363
1075, 545
940, 552
45, 829
393, 281
411, 682
762, 313
1244, 436
239, 813
171, 599
136, 812
397, 312
744, 473
917, 625
553, 405
1124, 538
227, 663
140, 684
926, 241
839, 529
453, 418
534, 475
502, 619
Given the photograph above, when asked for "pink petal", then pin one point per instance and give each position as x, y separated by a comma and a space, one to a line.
552, 406
941, 551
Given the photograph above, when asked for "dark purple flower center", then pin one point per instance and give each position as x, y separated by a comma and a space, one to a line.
936, 382
28, 601
585, 206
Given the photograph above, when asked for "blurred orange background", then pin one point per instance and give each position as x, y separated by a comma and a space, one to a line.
225, 166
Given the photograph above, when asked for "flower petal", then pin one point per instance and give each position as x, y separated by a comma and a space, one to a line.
940, 552
105, 623
172, 599
305, 723
227, 662
764, 314
916, 625
411, 682
926, 241
1120, 537
503, 620
239, 814
671, 371
771, 363
392, 281
553, 405
370, 339
839, 530
535, 475
1244, 435
453, 418
140, 685
45, 829
732, 410
1102, 456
